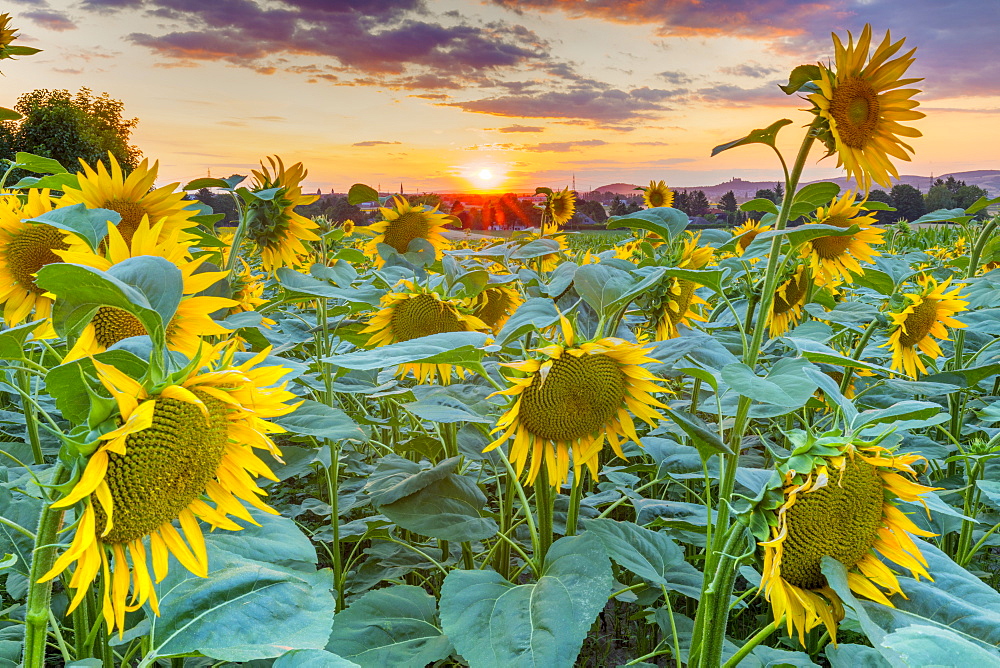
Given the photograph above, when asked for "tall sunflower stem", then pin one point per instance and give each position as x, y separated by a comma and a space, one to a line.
36, 618
501, 558
30, 417
535, 564
544, 499
333, 485
573, 513
234, 250
856, 354
710, 623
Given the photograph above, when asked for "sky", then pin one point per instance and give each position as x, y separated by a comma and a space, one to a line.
499, 95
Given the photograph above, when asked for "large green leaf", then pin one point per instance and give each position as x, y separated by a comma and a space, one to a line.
493, 622
315, 419
652, 555
312, 658
37, 163
705, 439
920, 646
81, 290
664, 221
359, 193
90, 225
534, 313
461, 348
157, 278
902, 415
766, 136
299, 283
12, 341
397, 477
786, 384
536, 248
608, 290
394, 626
248, 607
855, 656
451, 508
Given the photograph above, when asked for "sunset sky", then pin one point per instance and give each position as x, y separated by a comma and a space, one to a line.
437, 94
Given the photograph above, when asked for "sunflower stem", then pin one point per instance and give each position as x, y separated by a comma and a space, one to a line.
30, 418
501, 558
573, 513
710, 623
751, 644
36, 618
234, 250
532, 530
856, 354
543, 506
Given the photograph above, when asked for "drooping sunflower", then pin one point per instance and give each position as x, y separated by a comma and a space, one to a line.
680, 303
496, 304
404, 223
837, 258
280, 234
192, 319
842, 504
559, 209
864, 105
790, 297
567, 402
132, 196
179, 445
24, 249
411, 311
747, 232
657, 194
925, 317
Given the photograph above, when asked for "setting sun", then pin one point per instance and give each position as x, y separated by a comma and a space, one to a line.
485, 175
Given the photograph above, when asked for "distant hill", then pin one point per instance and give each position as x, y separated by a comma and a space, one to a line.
988, 179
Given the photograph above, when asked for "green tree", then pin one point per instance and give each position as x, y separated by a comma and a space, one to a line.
617, 207
939, 197
728, 202
966, 196
70, 128
338, 209
682, 201
909, 202
698, 204
592, 209
767, 193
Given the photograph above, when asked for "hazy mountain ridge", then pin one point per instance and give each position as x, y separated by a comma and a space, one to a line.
988, 179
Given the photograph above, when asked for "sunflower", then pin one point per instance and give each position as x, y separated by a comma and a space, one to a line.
559, 209
404, 223
192, 319
411, 311
837, 258
550, 261
180, 444
571, 400
24, 249
678, 307
348, 227
7, 35
132, 196
747, 232
790, 297
925, 317
276, 230
843, 506
657, 194
496, 304
863, 105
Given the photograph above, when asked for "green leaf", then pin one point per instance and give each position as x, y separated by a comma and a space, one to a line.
23, 511
461, 348
760, 204
249, 607
854, 656
9, 114
20, 50
942, 216
38, 164
312, 658
762, 136
652, 555
315, 419
818, 352
800, 77
533, 314
664, 221
89, 224
159, 280
396, 477
80, 291
299, 283
209, 182
704, 438
67, 386
876, 280
495, 623
816, 194
52, 182
903, 415
12, 341
394, 626
922, 645
804, 233
872, 205
711, 278
785, 384
360, 193
536, 248
447, 509
608, 290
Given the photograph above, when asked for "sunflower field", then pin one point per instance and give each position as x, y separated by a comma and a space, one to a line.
297, 443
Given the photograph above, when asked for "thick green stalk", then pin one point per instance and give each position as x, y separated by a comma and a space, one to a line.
36, 618
715, 601
543, 506
501, 558
30, 417
856, 354
712, 633
573, 513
